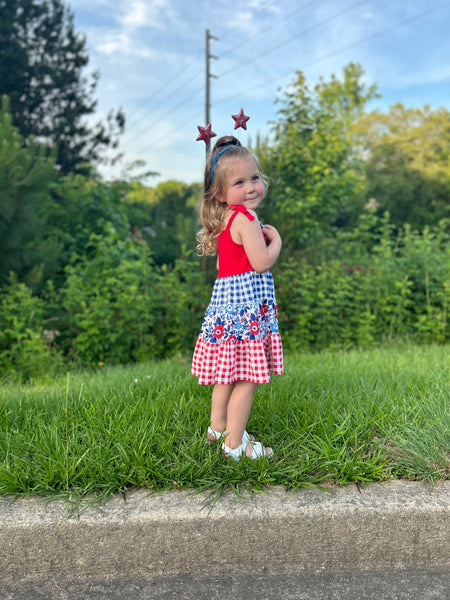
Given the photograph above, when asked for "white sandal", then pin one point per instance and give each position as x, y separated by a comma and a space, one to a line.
258, 450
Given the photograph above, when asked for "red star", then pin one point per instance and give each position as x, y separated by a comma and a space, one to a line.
240, 120
205, 133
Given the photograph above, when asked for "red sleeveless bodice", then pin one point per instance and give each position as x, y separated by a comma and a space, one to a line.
232, 257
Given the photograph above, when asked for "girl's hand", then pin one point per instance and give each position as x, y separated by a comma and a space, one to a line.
270, 233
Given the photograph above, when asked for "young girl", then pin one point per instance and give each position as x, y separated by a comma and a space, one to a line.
239, 342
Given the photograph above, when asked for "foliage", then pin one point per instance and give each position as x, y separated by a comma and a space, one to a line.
27, 175
347, 98
398, 287
163, 216
47, 219
41, 64
26, 346
119, 307
109, 302
367, 286
81, 208
184, 296
408, 164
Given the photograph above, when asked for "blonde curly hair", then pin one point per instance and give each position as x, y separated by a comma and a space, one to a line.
212, 210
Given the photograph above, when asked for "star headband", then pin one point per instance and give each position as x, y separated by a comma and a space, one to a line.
205, 133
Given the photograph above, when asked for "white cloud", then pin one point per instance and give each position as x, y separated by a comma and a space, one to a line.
120, 45
112, 43
136, 15
142, 13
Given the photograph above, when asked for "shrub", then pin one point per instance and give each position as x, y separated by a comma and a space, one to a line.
399, 288
26, 345
108, 301
120, 307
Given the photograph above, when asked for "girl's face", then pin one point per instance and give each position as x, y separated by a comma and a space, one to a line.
242, 183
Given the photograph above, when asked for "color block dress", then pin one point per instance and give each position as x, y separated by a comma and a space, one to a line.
239, 339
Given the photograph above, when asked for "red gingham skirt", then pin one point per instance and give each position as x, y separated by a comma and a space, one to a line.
238, 360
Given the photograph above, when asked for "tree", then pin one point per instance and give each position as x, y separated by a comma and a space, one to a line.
315, 176
347, 98
26, 176
41, 63
408, 163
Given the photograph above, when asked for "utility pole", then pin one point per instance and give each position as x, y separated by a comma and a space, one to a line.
208, 79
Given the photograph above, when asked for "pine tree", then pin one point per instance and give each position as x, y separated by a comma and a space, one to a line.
41, 69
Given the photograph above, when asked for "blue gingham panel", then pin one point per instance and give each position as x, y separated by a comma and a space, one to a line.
246, 288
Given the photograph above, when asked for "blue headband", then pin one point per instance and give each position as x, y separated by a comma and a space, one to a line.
217, 156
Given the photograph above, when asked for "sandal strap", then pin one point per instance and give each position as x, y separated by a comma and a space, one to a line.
235, 453
246, 438
215, 435
258, 450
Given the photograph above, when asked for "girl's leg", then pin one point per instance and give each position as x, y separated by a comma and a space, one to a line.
219, 406
239, 407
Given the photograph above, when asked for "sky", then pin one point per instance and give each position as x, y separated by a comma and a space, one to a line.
151, 58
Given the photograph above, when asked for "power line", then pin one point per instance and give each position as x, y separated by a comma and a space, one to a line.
269, 28
133, 125
330, 54
165, 98
169, 112
307, 30
182, 124
164, 85
243, 22
175, 128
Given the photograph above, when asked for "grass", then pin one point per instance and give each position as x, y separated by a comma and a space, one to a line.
333, 417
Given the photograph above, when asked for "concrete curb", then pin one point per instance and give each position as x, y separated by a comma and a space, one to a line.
385, 526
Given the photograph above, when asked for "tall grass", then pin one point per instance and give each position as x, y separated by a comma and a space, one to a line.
334, 417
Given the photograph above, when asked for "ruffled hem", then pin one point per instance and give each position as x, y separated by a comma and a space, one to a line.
234, 360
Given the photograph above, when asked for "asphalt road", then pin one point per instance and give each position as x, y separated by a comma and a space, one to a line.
407, 584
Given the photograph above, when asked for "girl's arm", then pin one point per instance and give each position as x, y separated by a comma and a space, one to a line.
261, 257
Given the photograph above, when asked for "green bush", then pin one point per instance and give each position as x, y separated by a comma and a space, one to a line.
398, 288
119, 307
108, 302
26, 345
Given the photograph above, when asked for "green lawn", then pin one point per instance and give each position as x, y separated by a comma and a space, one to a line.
333, 417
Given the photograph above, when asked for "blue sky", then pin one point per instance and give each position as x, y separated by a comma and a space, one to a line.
151, 59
